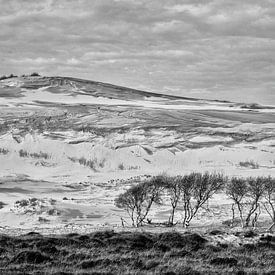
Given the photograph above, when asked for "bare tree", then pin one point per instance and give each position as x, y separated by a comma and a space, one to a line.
197, 189
173, 187
255, 191
269, 199
137, 200
236, 190
246, 195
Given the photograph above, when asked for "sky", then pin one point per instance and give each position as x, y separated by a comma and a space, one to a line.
216, 49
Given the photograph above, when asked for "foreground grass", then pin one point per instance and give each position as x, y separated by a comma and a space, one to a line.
109, 252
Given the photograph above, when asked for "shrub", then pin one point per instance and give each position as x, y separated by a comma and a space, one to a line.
2, 204
89, 163
4, 151
121, 166
34, 74
40, 155
3, 77
23, 153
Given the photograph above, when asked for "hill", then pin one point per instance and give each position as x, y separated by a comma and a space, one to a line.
73, 145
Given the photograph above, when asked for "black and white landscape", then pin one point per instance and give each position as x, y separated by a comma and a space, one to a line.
173, 176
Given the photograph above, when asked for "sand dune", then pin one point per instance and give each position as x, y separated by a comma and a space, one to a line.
78, 144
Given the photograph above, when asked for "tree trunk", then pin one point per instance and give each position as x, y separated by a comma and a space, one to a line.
171, 218
241, 213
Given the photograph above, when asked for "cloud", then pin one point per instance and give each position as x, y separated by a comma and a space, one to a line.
222, 48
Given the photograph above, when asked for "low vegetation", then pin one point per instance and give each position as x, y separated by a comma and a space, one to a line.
34, 74
3, 77
94, 164
110, 252
190, 194
4, 151
36, 206
249, 164
25, 154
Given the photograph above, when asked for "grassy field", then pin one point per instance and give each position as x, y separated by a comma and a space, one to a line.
110, 252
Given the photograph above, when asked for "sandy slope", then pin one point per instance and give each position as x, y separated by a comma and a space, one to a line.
81, 143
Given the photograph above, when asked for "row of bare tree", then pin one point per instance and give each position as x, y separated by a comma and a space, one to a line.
191, 193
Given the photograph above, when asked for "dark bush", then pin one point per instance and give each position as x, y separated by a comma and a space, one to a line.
34, 74
249, 234
216, 232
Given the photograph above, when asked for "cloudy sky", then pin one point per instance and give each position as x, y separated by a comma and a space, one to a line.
200, 48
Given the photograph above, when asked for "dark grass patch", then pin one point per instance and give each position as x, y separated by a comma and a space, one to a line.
110, 252
32, 257
224, 261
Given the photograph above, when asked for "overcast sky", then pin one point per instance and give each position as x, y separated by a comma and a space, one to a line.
209, 49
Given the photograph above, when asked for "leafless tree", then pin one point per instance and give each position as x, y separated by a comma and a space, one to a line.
246, 195
197, 189
138, 199
255, 191
173, 188
236, 190
269, 199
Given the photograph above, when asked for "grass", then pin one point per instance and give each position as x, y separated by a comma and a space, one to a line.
249, 164
110, 252
93, 164
4, 151
24, 154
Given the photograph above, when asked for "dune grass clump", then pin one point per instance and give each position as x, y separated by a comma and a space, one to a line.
40, 155
36, 206
4, 151
249, 164
2, 204
3, 77
94, 164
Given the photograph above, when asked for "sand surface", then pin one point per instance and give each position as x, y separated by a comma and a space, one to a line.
69, 147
